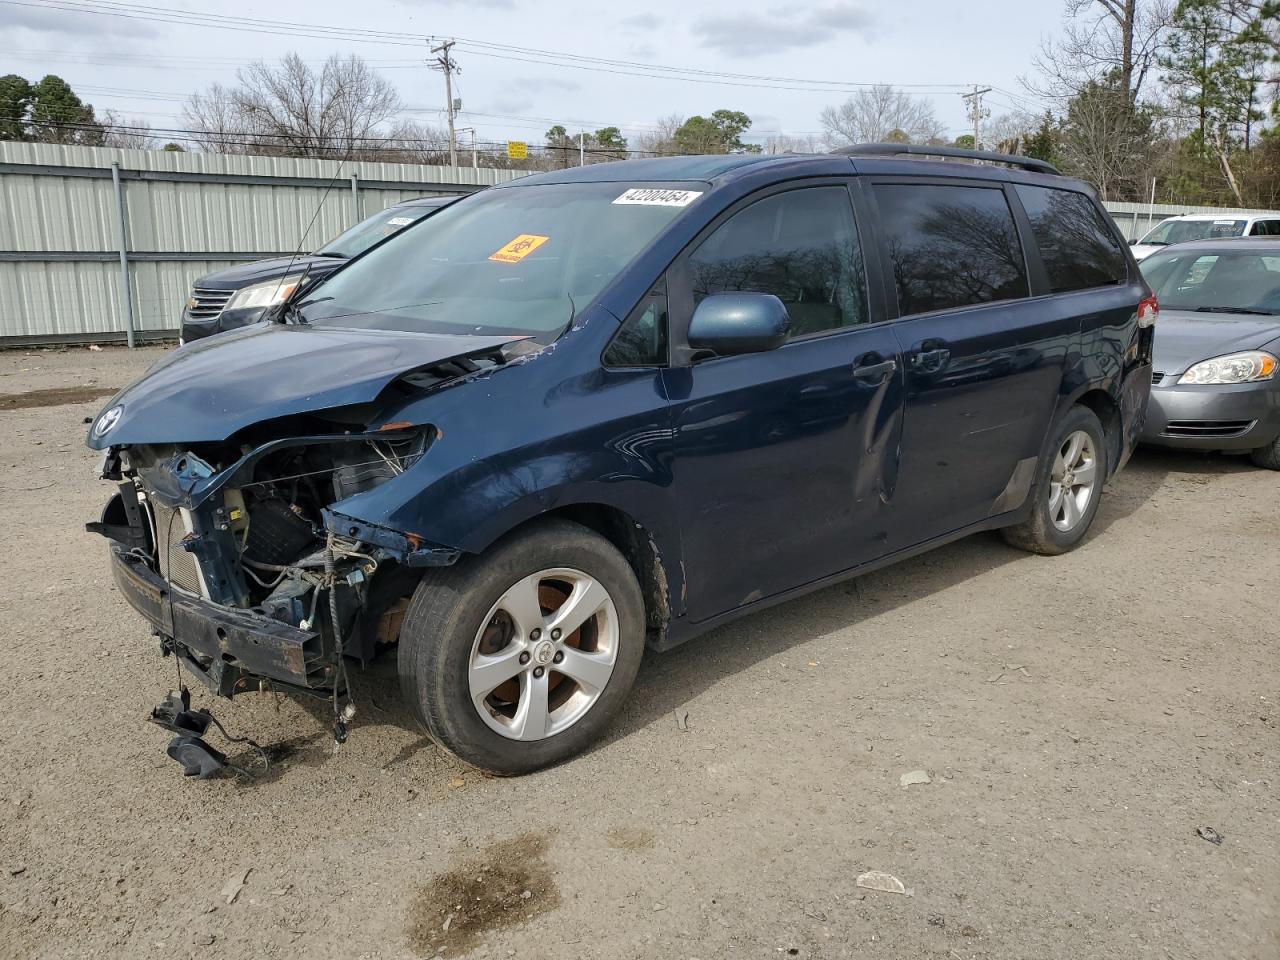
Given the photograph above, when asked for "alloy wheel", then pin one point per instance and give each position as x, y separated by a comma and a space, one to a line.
1073, 480
544, 654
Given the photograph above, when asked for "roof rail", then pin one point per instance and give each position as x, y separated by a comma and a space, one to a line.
960, 153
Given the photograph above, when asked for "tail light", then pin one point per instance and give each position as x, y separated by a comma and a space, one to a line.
1148, 311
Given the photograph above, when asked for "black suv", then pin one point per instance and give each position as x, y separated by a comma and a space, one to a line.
238, 296
618, 405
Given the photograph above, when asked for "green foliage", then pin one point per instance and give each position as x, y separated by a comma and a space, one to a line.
1043, 143
59, 116
15, 101
610, 138
965, 141
1212, 71
720, 133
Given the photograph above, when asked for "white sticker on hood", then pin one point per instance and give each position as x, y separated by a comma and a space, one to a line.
656, 197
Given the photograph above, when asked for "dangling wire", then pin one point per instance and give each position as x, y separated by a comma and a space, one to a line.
340, 679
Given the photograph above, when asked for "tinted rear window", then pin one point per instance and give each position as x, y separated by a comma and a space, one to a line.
1077, 245
950, 246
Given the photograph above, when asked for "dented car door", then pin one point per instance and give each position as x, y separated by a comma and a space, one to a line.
784, 461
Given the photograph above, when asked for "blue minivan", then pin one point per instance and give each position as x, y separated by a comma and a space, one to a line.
611, 407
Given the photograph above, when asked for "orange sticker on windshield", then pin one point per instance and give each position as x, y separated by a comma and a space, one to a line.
519, 248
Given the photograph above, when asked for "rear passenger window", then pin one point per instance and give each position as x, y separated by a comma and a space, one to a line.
950, 246
801, 246
1078, 247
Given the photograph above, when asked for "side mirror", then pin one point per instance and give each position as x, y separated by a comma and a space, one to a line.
1133, 242
734, 323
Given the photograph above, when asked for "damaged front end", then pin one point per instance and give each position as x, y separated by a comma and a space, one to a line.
232, 555
229, 457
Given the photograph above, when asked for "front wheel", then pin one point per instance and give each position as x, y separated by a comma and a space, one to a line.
518, 659
1267, 457
1068, 487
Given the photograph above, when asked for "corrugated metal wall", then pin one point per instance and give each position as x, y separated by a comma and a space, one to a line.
59, 253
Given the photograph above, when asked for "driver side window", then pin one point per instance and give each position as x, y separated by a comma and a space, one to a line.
802, 247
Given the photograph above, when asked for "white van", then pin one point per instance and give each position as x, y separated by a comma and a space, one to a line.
1206, 226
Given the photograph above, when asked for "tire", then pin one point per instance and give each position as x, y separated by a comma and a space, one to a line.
1043, 532
446, 659
1267, 457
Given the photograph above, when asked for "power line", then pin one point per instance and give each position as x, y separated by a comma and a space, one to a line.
477, 47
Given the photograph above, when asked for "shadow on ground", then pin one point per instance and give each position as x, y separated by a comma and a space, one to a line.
670, 679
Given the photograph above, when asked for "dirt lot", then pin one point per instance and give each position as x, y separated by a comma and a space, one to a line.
1080, 718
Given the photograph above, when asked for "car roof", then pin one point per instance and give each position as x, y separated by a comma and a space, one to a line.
724, 167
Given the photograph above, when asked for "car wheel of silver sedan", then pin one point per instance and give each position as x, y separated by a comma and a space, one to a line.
518, 658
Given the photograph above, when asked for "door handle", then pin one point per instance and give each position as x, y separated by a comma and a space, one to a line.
875, 372
930, 360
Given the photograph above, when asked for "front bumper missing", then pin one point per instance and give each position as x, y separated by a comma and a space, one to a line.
227, 648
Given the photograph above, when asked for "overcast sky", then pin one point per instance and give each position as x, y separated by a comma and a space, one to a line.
145, 67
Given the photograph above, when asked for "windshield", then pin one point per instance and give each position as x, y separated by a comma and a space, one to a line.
1180, 231
1228, 282
369, 231
515, 260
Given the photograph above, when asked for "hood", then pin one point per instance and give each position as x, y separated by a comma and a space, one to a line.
244, 274
1141, 250
209, 389
1184, 338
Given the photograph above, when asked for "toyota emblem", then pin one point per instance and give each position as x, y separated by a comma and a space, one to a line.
107, 421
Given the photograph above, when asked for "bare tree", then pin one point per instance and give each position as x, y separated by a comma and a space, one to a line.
783, 143
214, 121
414, 142
292, 109
1101, 39
1007, 132
661, 139
881, 113
1108, 142
129, 133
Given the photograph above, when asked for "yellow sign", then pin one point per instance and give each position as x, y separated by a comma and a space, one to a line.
517, 150
519, 248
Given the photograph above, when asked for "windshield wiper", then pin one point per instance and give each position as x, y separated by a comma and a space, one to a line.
331, 253
1252, 311
293, 311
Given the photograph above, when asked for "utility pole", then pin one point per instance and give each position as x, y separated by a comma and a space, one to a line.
446, 65
582, 149
475, 165
977, 112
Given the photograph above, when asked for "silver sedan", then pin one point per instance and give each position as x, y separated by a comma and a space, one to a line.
1217, 345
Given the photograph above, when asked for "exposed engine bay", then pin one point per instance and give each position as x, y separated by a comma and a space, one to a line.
257, 540
234, 544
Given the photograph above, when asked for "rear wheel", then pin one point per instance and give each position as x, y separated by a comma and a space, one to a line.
519, 658
1268, 456
1068, 487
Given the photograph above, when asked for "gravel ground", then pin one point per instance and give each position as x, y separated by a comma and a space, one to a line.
1079, 717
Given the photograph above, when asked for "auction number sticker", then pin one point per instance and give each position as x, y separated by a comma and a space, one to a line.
399, 221
652, 197
519, 248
